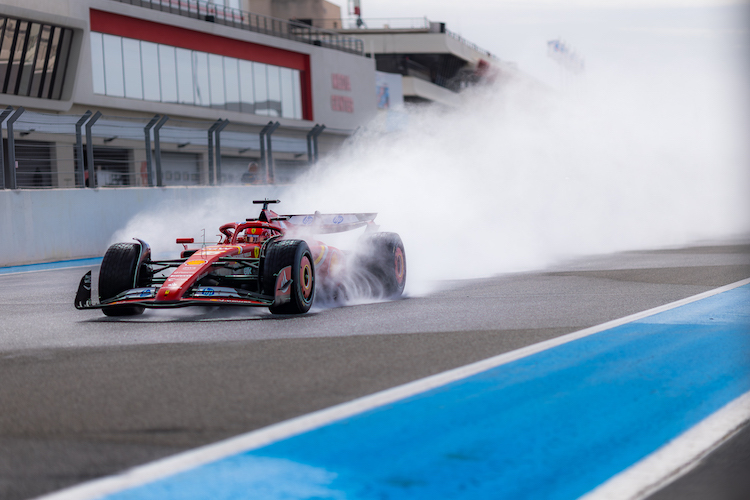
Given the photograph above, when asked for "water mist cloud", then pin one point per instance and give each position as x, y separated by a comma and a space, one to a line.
523, 175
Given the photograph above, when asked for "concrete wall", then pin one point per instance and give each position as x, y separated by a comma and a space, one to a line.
62, 224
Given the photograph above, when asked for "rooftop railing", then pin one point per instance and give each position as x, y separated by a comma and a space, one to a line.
388, 23
471, 45
420, 24
235, 18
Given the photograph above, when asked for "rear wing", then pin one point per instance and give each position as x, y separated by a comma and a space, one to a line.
329, 223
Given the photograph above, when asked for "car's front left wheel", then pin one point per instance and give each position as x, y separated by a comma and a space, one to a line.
119, 272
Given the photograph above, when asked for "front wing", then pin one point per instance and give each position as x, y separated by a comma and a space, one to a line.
199, 296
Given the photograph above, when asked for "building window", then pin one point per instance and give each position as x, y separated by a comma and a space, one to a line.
33, 58
135, 69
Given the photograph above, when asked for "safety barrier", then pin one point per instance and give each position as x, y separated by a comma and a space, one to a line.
63, 224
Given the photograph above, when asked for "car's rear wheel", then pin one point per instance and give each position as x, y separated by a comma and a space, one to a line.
295, 254
383, 258
119, 272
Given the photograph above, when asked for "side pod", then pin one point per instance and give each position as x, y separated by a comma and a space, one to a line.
83, 295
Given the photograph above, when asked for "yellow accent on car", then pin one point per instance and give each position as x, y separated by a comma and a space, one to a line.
321, 256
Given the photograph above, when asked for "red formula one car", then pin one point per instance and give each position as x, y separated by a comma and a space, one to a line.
270, 261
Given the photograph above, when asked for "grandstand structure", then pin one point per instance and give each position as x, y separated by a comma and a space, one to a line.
105, 93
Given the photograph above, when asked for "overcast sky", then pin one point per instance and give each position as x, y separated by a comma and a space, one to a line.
649, 147
605, 33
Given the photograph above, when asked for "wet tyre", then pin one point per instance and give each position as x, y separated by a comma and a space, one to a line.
119, 272
382, 257
297, 255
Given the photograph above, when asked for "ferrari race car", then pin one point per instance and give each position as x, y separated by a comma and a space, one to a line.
270, 262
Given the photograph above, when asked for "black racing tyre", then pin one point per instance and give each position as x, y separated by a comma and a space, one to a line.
118, 273
383, 257
294, 253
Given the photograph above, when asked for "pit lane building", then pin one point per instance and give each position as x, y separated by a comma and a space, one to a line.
185, 92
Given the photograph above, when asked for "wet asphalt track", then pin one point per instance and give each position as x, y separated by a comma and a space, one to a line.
84, 396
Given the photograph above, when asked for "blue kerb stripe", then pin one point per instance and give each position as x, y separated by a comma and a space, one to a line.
553, 425
51, 265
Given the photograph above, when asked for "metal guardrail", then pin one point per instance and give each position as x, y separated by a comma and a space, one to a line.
235, 18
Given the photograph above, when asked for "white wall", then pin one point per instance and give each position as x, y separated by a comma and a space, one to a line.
62, 224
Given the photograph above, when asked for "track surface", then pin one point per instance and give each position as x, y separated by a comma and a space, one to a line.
85, 396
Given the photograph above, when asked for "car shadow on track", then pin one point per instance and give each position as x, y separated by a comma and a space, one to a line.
199, 314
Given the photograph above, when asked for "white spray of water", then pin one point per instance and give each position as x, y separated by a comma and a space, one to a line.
519, 178
522, 176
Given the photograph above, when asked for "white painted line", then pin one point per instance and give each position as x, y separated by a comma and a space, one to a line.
283, 430
676, 458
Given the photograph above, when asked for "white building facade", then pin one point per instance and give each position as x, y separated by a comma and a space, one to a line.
194, 65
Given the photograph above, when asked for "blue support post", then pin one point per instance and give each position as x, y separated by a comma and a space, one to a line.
157, 149
79, 149
12, 148
149, 166
3, 115
90, 149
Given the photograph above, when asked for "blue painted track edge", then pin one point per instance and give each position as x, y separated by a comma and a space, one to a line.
50, 266
677, 457
262, 437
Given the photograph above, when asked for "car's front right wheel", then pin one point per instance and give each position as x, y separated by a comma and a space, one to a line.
296, 255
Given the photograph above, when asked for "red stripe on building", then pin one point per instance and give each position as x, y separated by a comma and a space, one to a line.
305, 80
166, 34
